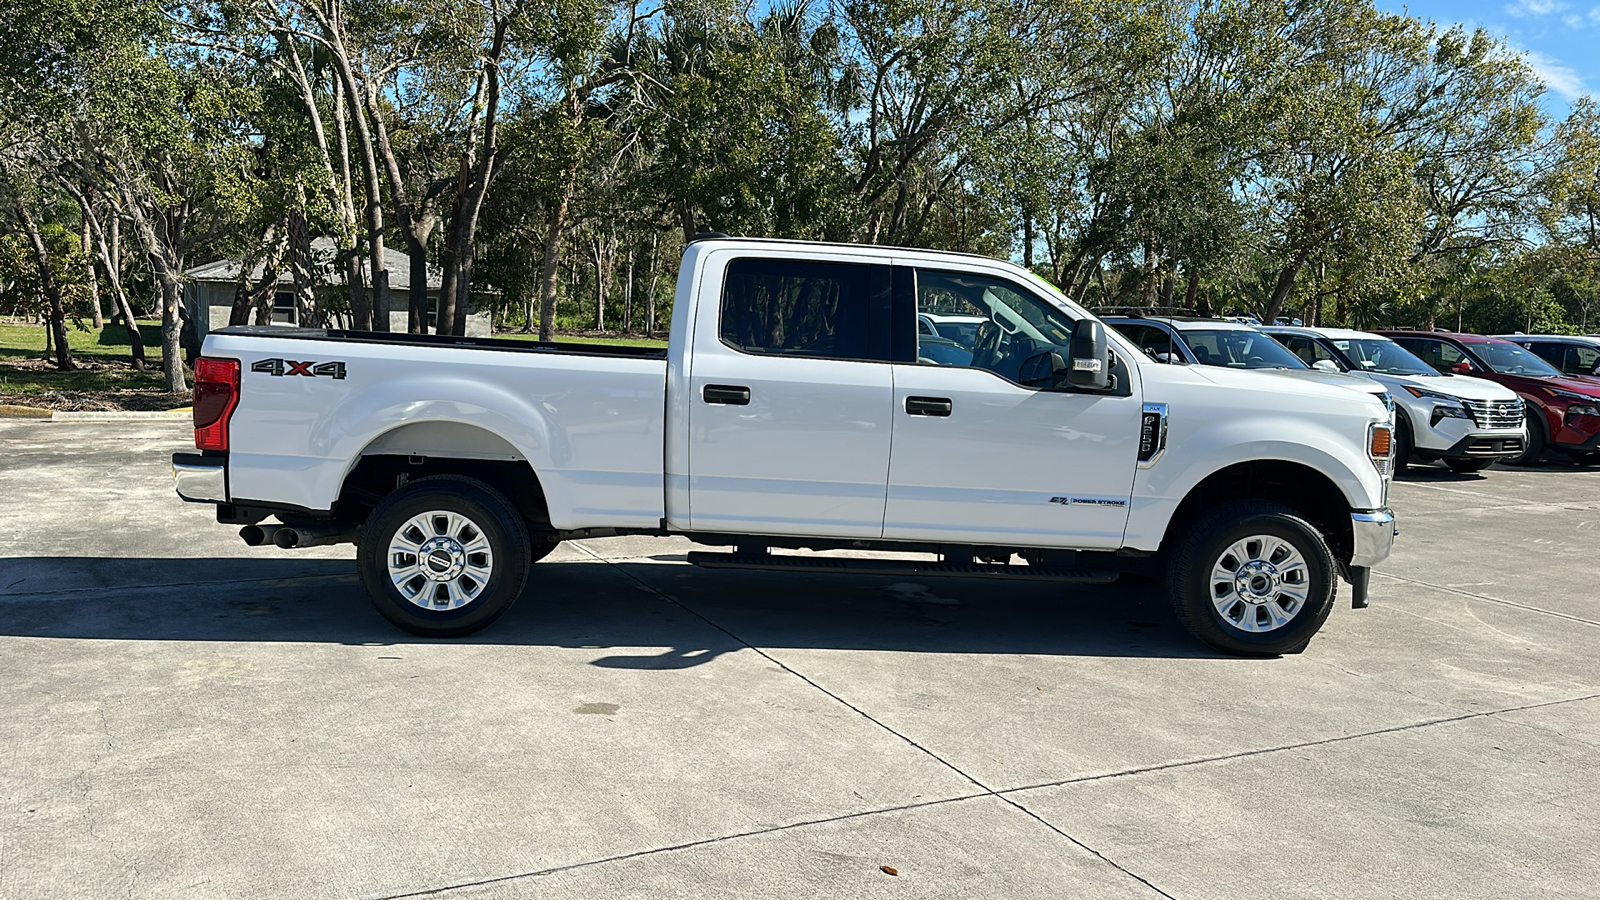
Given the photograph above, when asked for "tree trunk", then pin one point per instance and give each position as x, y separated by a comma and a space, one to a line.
1191, 296
627, 298
52, 290
166, 271
305, 293
109, 260
244, 293
377, 319
91, 282
1284, 286
554, 224
650, 296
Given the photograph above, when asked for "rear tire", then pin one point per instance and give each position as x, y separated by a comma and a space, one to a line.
1252, 578
443, 556
1537, 442
1464, 466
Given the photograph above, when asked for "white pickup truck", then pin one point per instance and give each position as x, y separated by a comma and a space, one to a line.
794, 409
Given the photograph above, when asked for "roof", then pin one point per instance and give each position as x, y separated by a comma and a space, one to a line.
1458, 337
1184, 323
1336, 334
1584, 339
323, 262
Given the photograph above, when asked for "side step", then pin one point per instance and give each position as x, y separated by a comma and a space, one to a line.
900, 567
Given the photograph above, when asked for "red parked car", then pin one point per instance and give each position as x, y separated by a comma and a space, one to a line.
1563, 411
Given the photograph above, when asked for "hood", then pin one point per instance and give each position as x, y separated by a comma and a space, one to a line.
1465, 387
1335, 378
1578, 384
1303, 382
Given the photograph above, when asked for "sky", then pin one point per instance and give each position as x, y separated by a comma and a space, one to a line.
1560, 37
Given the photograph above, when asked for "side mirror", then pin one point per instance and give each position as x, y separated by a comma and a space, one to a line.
1461, 368
1043, 370
1090, 366
1325, 365
1170, 358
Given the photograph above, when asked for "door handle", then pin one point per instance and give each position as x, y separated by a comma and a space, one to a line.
728, 394
929, 406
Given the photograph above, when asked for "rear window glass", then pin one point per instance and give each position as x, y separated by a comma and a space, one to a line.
815, 309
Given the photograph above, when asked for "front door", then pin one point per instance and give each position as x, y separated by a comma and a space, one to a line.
790, 402
980, 458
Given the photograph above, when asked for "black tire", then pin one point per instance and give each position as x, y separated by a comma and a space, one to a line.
1207, 543
1402, 444
490, 516
1465, 466
1537, 442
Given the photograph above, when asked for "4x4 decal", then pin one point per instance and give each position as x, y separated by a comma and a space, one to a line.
309, 368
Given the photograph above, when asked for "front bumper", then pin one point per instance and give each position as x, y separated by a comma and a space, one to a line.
1374, 532
200, 479
1484, 445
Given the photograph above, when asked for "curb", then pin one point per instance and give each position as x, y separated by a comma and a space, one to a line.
119, 415
8, 411
33, 412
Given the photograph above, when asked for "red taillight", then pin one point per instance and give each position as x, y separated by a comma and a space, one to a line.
216, 393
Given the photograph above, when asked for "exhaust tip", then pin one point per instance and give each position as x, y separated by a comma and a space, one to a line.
286, 538
253, 535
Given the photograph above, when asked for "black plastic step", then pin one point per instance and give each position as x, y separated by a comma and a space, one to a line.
899, 567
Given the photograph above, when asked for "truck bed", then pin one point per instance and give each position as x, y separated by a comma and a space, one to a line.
400, 338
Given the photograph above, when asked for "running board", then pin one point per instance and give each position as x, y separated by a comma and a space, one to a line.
898, 567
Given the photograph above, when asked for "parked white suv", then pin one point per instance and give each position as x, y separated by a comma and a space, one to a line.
1467, 423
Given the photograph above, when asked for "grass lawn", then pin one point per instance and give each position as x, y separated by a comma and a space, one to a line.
586, 339
102, 358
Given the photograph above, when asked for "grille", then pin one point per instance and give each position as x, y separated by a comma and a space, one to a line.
1496, 413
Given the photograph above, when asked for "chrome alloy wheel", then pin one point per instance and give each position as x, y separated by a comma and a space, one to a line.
1259, 583
440, 560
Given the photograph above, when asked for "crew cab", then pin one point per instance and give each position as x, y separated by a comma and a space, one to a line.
1467, 423
1563, 412
792, 410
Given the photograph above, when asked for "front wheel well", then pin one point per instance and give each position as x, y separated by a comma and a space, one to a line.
1311, 494
378, 475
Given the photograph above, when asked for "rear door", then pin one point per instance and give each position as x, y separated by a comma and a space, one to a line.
791, 396
980, 458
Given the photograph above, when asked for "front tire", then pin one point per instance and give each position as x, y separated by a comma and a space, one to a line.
1402, 444
443, 556
1252, 578
1537, 442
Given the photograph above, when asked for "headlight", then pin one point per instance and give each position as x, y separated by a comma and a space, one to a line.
1448, 411
1431, 395
1588, 408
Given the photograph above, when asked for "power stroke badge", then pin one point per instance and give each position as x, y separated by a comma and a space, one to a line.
309, 368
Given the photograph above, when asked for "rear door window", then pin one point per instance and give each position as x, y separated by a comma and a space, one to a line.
776, 307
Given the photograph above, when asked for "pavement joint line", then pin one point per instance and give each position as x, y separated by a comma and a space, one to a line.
1485, 597
865, 715
1263, 751
689, 845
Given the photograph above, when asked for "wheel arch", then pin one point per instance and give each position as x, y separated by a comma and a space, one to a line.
1310, 493
417, 450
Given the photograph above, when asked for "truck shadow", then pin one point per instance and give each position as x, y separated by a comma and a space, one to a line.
635, 615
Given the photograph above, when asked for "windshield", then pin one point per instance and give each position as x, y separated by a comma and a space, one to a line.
1507, 358
1239, 349
1382, 356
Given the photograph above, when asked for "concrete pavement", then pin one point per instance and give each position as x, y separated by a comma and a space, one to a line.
187, 716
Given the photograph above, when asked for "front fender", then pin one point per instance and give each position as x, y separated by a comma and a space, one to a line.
1203, 449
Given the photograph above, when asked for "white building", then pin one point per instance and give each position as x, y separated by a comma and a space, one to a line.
210, 291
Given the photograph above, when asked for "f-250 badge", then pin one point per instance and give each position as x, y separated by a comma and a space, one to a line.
309, 368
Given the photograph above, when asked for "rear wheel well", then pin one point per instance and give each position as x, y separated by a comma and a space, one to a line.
1312, 495
376, 476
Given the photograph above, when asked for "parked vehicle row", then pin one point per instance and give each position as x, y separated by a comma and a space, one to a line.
1462, 399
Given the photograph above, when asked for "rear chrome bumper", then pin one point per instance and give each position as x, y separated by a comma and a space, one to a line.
1374, 532
200, 479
